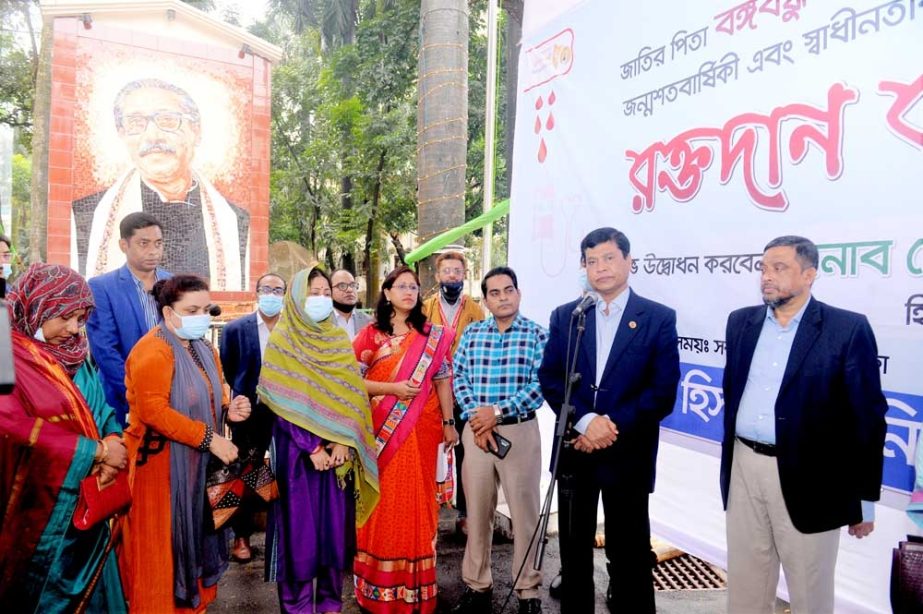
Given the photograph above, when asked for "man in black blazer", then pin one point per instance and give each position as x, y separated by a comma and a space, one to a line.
242, 346
629, 367
804, 432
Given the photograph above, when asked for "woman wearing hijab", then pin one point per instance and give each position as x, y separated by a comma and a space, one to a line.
406, 364
173, 556
323, 449
55, 430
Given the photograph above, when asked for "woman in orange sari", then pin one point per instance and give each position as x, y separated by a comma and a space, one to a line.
173, 556
407, 371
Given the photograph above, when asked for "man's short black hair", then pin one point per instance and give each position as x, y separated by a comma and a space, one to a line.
496, 272
603, 235
271, 274
136, 221
805, 250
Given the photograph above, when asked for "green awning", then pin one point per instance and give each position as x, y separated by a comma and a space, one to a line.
450, 236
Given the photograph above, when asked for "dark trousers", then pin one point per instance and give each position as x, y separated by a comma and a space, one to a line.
628, 543
252, 440
243, 522
460, 503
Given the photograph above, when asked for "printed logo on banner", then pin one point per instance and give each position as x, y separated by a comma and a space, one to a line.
546, 62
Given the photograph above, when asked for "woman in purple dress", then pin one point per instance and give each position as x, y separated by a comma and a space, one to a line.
323, 450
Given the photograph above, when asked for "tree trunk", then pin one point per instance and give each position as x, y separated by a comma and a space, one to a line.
513, 36
371, 237
442, 121
41, 118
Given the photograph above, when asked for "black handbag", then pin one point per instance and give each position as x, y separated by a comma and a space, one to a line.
907, 576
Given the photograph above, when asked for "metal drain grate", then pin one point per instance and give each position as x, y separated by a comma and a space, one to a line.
686, 573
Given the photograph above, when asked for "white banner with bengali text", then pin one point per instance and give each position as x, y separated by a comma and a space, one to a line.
703, 130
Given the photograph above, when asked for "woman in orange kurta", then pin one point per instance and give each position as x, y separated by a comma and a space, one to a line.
172, 556
406, 368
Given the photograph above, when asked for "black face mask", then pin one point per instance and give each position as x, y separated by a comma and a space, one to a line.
451, 291
343, 307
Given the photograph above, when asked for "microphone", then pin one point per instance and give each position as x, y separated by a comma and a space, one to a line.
214, 311
588, 301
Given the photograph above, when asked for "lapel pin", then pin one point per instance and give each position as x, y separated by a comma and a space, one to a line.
632, 324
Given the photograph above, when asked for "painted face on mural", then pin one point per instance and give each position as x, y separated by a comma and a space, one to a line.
161, 138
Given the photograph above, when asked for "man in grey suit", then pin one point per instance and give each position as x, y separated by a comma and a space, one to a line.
345, 296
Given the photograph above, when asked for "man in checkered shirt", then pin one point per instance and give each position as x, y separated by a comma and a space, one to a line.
496, 385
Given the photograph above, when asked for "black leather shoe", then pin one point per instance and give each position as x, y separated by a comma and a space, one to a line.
474, 602
530, 606
554, 589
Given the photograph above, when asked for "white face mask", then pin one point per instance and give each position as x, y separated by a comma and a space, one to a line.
40, 335
6, 270
192, 327
318, 308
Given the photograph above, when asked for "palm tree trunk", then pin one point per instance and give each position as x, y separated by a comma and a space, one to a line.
371, 237
513, 35
442, 120
41, 117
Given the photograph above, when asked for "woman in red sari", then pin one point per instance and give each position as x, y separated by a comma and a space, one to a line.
55, 430
407, 371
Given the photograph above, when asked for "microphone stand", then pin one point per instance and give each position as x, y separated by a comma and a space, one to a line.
561, 428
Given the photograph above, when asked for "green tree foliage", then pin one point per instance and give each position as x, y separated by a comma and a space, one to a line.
18, 64
344, 126
477, 94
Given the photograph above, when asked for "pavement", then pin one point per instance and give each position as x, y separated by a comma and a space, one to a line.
242, 589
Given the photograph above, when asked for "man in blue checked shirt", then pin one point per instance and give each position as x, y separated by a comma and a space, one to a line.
496, 385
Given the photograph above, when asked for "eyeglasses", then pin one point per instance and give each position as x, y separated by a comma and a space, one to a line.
406, 287
168, 121
268, 290
452, 271
343, 286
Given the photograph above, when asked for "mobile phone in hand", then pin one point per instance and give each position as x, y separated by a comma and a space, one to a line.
503, 446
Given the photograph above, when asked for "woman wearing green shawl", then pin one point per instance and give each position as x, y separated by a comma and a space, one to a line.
323, 449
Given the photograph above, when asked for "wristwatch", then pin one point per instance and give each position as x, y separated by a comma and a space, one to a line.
498, 413
448, 422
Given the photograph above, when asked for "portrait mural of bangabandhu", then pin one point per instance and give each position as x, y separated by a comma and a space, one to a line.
168, 135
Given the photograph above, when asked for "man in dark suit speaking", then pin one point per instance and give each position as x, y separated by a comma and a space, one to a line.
804, 434
629, 366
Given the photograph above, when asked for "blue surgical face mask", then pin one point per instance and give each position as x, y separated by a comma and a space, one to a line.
270, 304
7, 269
193, 327
582, 280
318, 308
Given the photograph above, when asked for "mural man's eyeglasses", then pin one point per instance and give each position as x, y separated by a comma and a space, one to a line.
268, 290
168, 121
343, 286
